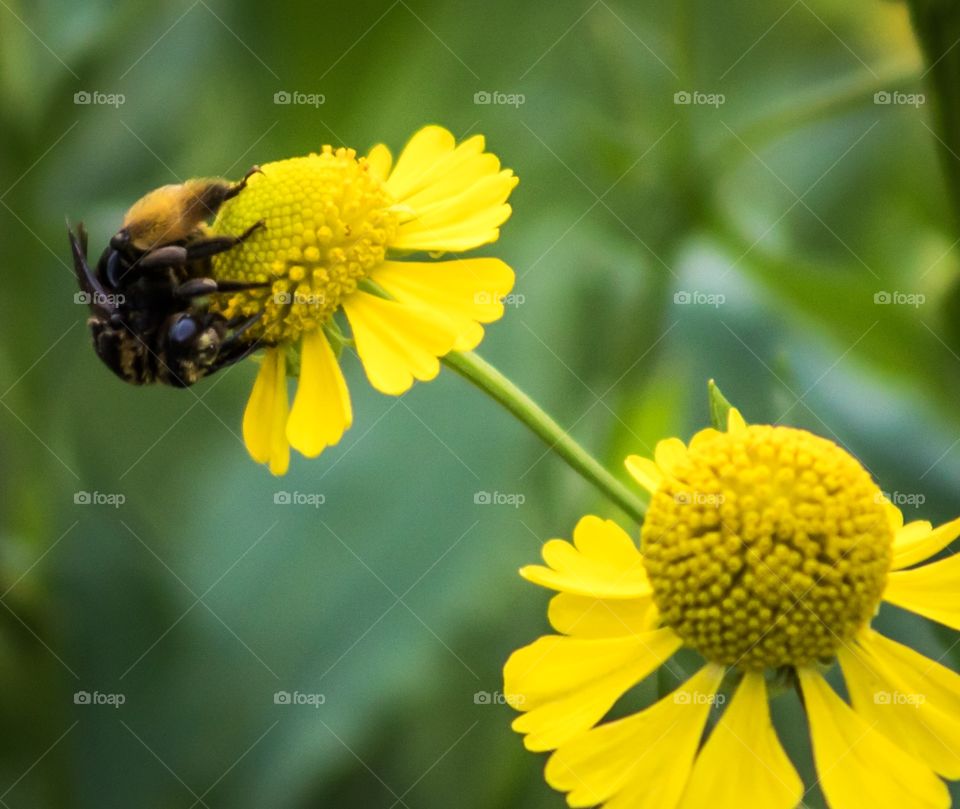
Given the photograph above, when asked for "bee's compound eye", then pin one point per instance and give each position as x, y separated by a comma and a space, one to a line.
116, 320
184, 330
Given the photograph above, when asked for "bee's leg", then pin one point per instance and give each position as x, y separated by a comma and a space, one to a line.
236, 189
202, 248
240, 324
164, 256
235, 347
198, 287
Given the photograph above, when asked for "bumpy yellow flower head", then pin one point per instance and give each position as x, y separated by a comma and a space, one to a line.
761, 523
336, 228
764, 548
329, 223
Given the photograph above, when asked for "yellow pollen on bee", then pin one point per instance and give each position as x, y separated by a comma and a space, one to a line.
328, 224
767, 547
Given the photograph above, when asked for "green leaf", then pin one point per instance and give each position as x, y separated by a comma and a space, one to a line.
719, 406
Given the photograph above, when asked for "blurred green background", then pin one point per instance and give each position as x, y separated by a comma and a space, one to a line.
656, 244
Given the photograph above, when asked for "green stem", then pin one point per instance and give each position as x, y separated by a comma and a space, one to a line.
836, 97
937, 24
488, 379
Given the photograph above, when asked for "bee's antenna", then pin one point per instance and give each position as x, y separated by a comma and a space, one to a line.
89, 283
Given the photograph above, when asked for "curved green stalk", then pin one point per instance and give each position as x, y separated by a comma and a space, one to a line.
488, 379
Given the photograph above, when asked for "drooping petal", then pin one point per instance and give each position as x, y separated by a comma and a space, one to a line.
743, 763
932, 591
912, 699
566, 685
645, 472
321, 409
917, 541
397, 343
602, 562
642, 761
588, 617
265, 417
859, 766
467, 292
380, 161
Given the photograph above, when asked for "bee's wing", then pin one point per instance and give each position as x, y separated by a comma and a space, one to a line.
86, 278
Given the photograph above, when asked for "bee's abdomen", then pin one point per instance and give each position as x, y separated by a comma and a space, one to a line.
123, 353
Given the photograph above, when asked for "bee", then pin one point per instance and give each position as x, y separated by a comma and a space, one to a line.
149, 293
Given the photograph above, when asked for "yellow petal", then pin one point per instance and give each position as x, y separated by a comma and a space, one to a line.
436, 174
704, 436
566, 685
735, 422
742, 763
645, 472
918, 541
380, 160
894, 514
424, 151
932, 591
470, 219
467, 292
467, 165
642, 761
913, 700
587, 617
321, 409
671, 455
397, 343
265, 418
602, 562
857, 765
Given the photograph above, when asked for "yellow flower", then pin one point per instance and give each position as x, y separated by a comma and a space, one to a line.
765, 549
336, 225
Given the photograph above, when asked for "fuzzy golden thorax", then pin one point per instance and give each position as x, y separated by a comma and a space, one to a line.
171, 213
